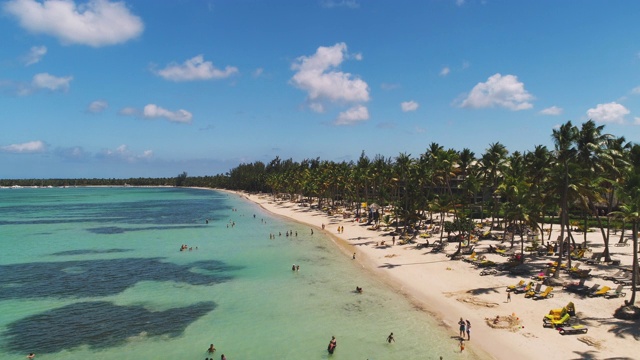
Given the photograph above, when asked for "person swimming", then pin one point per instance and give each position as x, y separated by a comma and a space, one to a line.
211, 349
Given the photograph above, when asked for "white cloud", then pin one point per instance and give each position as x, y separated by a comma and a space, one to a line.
409, 106
636, 121
502, 91
317, 76
128, 111
317, 107
122, 153
445, 71
553, 110
460, 2
53, 83
95, 23
635, 90
152, 111
97, 106
258, 72
35, 55
195, 69
30, 147
608, 113
353, 115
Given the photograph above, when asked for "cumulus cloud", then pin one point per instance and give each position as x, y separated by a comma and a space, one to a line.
35, 55
502, 91
608, 113
97, 106
409, 106
195, 69
30, 147
445, 71
122, 153
53, 83
317, 75
152, 111
353, 115
95, 23
553, 110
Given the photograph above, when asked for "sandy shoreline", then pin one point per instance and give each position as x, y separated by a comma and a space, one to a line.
450, 289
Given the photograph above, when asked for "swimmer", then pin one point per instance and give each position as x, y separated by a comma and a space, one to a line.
211, 349
31, 356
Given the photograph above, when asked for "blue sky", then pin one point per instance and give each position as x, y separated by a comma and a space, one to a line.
110, 89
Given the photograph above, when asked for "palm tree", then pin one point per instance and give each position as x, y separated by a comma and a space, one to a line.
630, 212
564, 150
492, 163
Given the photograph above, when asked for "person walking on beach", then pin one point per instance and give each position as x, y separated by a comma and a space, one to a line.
390, 338
462, 328
509, 296
468, 329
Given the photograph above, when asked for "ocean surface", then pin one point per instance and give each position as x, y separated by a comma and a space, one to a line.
97, 273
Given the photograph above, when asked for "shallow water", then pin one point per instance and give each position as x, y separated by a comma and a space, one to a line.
96, 273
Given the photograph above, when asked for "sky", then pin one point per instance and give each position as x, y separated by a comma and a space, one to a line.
144, 88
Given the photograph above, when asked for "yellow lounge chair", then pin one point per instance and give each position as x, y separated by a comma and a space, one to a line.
533, 292
545, 294
513, 287
601, 292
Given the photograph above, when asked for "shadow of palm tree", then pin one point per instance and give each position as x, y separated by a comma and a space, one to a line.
620, 328
485, 291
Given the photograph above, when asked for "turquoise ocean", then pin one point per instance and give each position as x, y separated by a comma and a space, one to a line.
97, 273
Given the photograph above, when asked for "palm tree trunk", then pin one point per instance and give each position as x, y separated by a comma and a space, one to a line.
634, 276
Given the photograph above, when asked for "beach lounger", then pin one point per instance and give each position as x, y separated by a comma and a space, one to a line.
596, 258
523, 289
581, 274
600, 292
513, 287
533, 292
575, 287
622, 279
575, 329
623, 242
545, 294
590, 290
615, 293
619, 274
488, 272
578, 254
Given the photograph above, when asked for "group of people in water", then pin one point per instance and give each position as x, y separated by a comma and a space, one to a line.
185, 247
211, 350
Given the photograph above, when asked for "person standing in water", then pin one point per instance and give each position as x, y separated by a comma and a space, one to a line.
332, 345
390, 338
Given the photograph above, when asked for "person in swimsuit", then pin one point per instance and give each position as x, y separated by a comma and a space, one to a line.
332, 345
211, 349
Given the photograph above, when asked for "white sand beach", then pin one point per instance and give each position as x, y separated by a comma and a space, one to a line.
450, 289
